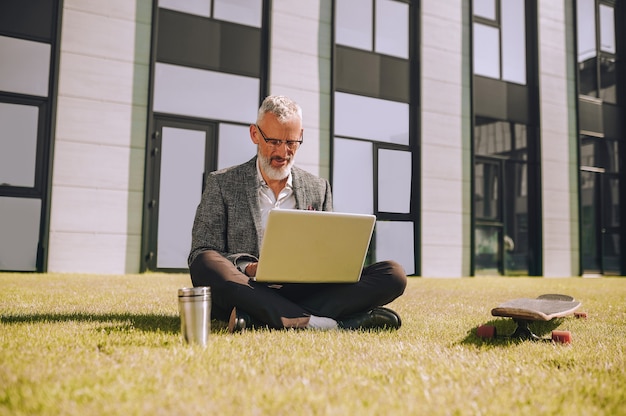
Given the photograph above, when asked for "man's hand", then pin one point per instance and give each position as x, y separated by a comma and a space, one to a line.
251, 269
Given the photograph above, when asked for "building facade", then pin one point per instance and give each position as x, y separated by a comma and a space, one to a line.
487, 136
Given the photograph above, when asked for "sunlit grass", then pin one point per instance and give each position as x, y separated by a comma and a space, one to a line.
91, 345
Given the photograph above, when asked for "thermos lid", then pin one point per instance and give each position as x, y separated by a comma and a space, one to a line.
194, 291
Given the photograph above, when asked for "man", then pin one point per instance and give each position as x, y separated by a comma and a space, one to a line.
228, 230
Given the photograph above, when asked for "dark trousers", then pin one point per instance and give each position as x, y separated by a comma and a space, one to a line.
290, 305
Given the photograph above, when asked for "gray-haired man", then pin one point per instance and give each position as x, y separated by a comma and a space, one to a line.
229, 225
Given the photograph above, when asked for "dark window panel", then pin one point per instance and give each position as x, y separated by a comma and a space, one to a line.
590, 116
373, 75
500, 100
32, 19
185, 39
203, 43
395, 79
240, 49
601, 118
517, 103
357, 72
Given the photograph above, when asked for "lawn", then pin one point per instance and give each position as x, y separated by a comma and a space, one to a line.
96, 345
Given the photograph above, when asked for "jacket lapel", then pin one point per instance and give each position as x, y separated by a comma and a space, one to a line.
252, 195
298, 189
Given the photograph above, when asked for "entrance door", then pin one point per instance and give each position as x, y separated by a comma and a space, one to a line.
501, 217
182, 152
600, 222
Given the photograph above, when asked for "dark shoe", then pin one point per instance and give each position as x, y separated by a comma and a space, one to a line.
377, 318
238, 321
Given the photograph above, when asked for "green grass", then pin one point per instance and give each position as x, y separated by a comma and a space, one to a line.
92, 345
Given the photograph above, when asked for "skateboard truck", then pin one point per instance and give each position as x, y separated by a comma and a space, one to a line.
523, 332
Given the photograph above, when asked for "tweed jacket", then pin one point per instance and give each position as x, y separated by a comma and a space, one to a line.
228, 218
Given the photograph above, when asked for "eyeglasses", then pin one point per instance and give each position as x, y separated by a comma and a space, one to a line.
291, 144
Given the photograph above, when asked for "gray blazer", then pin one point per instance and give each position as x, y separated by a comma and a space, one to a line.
228, 218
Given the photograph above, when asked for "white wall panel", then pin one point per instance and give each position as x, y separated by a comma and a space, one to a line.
101, 122
300, 67
102, 253
101, 167
139, 11
96, 37
445, 137
96, 211
101, 79
559, 171
97, 181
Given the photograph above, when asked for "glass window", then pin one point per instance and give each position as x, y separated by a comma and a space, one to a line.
586, 28
394, 181
25, 66
492, 138
513, 41
182, 170
611, 246
485, 9
487, 256
486, 189
18, 147
360, 117
245, 12
609, 153
19, 219
516, 218
607, 29
587, 151
353, 176
392, 28
486, 51
207, 94
197, 7
608, 77
612, 202
353, 20
395, 240
235, 146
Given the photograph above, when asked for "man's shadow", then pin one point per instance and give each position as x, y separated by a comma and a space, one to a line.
168, 324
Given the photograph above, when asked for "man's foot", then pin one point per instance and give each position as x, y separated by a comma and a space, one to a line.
377, 318
238, 321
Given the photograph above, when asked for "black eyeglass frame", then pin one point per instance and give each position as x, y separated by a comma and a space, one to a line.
291, 144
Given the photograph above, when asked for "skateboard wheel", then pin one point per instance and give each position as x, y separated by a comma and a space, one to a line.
564, 337
486, 331
581, 315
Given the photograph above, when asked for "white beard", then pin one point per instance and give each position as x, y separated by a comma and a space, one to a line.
272, 172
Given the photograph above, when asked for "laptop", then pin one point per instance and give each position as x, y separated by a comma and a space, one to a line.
314, 246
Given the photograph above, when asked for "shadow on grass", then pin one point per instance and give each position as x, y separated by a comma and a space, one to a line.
120, 321
505, 328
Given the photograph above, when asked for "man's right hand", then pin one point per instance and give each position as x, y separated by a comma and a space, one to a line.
251, 269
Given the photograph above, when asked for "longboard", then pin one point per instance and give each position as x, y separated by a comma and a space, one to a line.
526, 310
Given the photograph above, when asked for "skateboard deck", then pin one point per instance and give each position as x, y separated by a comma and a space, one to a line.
526, 310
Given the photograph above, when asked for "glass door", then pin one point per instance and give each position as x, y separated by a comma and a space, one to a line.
182, 154
600, 223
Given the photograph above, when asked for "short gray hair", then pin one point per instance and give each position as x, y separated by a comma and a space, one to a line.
284, 108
